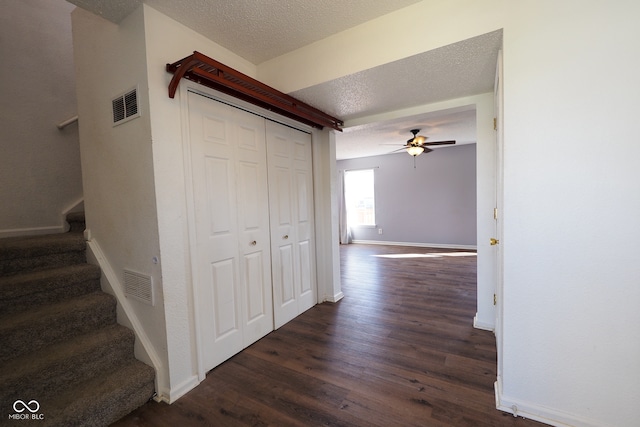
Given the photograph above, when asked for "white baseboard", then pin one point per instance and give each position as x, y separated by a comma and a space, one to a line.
419, 245
482, 325
180, 390
532, 411
335, 298
32, 231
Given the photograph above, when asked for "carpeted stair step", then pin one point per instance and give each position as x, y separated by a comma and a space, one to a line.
20, 292
31, 330
102, 400
60, 344
19, 254
53, 368
76, 222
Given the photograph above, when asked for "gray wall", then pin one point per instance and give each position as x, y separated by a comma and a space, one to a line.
435, 203
40, 176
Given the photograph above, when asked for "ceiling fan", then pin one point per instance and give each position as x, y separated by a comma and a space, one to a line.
418, 144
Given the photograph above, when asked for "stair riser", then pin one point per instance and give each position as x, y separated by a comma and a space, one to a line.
76, 227
20, 265
47, 294
44, 331
117, 406
76, 221
86, 363
104, 403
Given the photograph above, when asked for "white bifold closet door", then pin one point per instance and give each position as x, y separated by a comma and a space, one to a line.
230, 197
292, 227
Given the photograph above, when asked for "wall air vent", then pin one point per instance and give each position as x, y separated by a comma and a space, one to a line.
125, 107
138, 286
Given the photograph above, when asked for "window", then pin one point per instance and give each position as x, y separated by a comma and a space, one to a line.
359, 199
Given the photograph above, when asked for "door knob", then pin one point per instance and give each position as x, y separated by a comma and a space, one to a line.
494, 241
253, 243
285, 237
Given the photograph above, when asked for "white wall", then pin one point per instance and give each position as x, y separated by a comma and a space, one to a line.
325, 194
431, 204
117, 163
40, 177
571, 202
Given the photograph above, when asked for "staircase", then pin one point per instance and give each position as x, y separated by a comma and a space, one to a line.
60, 344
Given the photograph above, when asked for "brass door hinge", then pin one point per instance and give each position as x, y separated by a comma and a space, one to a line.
495, 299
495, 213
495, 123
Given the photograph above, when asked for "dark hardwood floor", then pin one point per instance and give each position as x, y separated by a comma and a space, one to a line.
398, 350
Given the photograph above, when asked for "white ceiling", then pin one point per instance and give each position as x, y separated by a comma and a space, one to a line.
386, 137
262, 30
257, 30
454, 71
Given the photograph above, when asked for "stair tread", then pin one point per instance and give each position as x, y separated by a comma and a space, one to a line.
56, 273
37, 360
103, 399
66, 362
25, 291
48, 324
19, 247
46, 313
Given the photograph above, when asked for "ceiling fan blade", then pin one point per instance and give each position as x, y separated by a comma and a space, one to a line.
439, 143
399, 149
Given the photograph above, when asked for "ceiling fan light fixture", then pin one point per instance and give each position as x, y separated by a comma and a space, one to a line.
415, 150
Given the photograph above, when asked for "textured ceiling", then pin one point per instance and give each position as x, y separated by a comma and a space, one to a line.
387, 137
257, 30
112, 10
454, 71
264, 29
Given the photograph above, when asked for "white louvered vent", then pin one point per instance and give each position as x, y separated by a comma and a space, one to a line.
125, 107
138, 286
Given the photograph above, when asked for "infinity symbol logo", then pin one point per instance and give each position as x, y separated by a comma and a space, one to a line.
20, 404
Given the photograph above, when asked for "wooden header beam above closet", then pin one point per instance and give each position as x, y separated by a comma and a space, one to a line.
211, 73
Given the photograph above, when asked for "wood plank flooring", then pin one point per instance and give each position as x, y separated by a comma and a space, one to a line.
398, 350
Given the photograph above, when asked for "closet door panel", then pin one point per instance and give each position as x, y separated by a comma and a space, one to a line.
306, 272
232, 259
302, 164
216, 264
224, 303
253, 224
283, 253
291, 208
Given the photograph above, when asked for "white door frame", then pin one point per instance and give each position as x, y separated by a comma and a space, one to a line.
499, 107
